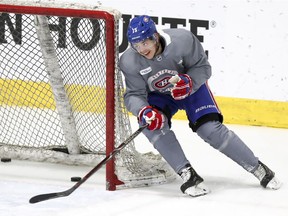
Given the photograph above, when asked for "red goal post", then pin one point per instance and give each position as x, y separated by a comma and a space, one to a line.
79, 76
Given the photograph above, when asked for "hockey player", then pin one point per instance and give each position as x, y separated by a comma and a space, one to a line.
168, 71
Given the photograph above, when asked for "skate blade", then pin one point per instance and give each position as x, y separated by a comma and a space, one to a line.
198, 190
274, 184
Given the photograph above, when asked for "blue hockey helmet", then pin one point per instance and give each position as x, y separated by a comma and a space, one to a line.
140, 28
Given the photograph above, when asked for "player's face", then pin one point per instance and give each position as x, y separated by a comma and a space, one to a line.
146, 48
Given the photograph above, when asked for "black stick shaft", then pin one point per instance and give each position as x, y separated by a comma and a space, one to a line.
43, 197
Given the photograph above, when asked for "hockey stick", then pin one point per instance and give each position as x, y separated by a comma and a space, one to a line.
43, 197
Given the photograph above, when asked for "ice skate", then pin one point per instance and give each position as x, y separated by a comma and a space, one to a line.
267, 177
193, 184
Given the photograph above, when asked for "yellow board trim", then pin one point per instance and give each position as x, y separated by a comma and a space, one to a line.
250, 112
92, 99
39, 95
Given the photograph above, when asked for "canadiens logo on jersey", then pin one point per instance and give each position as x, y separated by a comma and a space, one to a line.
162, 83
159, 81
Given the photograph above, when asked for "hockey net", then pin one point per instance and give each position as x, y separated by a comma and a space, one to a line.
62, 94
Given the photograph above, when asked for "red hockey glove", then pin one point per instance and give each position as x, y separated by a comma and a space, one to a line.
151, 116
182, 86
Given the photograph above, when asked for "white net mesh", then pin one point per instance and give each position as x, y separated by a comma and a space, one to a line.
34, 100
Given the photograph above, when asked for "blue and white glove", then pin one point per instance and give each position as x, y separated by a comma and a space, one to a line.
151, 116
182, 86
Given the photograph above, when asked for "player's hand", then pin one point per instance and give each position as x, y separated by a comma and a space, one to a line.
151, 116
182, 86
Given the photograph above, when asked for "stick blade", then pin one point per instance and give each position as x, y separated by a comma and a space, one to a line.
43, 197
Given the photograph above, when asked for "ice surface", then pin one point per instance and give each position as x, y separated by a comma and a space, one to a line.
234, 191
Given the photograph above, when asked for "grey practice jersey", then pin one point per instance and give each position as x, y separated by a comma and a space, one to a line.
182, 54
